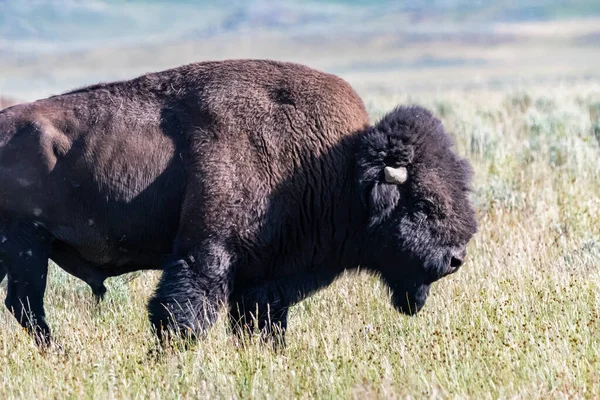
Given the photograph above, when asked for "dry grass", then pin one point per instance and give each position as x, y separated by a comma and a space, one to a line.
521, 319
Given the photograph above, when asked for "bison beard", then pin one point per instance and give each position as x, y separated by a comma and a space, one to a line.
257, 182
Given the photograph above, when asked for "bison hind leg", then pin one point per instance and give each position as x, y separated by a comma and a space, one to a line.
71, 262
25, 260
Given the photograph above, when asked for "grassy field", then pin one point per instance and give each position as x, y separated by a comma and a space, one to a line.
520, 320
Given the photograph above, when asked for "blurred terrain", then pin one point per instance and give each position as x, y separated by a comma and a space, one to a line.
47, 47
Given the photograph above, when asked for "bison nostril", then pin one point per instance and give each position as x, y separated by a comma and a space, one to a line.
456, 262
457, 258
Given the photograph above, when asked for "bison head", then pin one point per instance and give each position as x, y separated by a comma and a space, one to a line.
415, 192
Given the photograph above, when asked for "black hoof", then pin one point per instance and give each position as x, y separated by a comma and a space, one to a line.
99, 292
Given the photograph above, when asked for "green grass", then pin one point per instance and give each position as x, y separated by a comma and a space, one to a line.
520, 320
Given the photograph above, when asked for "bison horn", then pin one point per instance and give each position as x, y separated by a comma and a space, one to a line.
395, 175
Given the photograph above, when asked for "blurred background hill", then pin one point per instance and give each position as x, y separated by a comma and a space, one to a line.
50, 46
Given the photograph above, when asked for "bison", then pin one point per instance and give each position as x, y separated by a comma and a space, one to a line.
250, 183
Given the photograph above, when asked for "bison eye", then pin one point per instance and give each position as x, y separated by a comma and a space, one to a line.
429, 202
427, 205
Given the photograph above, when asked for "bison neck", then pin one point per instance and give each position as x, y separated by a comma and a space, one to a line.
314, 222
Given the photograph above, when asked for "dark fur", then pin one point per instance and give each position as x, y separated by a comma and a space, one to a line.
259, 182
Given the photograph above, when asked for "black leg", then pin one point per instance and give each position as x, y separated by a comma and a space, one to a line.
267, 304
252, 311
190, 293
70, 261
25, 256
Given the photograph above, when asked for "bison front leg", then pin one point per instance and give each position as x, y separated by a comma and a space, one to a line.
266, 306
260, 309
25, 258
190, 293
